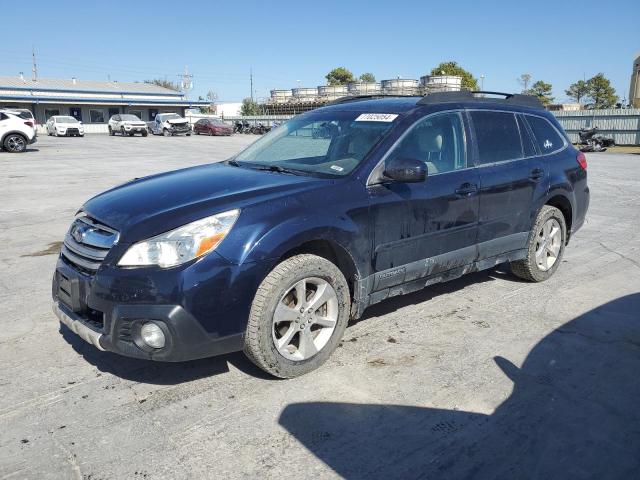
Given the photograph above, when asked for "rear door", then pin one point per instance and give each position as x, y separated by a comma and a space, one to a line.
512, 179
422, 229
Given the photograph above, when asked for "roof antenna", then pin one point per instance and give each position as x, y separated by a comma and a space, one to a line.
34, 69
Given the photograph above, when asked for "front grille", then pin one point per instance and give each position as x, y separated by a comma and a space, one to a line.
73, 131
87, 243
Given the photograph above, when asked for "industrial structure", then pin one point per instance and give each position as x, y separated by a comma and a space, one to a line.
634, 89
302, 99
90, 102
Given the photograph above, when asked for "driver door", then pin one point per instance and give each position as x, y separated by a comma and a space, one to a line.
423, 229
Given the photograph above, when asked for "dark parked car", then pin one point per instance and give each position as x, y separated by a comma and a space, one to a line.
273, 251
212, 126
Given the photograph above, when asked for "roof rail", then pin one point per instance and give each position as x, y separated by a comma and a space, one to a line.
356, 98
466, 95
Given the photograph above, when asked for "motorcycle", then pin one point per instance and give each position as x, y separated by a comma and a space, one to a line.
592, 141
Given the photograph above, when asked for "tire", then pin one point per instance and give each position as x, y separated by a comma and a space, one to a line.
15, 143
145, 133
111, 132
278, 288
188, 134
544, 248
166, 133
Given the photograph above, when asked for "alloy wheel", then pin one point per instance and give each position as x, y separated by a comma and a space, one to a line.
305, 318
16, 143
548, 244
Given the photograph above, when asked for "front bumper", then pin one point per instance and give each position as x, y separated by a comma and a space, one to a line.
200, 316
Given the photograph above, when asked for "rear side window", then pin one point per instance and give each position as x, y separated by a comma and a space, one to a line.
497, 136
25, 115
547, 137
527, 140
3, 116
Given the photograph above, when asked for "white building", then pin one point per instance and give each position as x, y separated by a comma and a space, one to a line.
90, 102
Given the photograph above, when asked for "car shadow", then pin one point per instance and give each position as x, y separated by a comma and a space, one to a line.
160, 373
573, 413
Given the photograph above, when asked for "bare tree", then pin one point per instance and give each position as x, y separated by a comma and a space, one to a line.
524, 80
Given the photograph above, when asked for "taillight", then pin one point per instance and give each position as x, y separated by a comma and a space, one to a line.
30, 124
582, 160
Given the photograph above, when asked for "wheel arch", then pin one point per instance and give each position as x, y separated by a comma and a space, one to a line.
562, 203
11, 132
332, 251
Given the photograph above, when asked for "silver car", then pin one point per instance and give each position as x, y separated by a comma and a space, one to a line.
127, 124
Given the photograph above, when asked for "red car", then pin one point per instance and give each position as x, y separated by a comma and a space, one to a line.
212, 126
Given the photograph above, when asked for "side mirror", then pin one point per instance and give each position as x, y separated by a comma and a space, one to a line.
406, 170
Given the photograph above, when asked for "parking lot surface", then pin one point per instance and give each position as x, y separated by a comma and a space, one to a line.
485, 376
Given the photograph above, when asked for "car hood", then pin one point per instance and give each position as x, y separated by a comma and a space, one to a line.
68, 125
135, 124
152, 205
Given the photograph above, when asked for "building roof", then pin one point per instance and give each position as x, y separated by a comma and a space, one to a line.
79, 85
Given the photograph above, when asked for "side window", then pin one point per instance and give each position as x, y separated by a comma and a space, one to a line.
3, 117
497, 136
547, 137
438, 140
527, 141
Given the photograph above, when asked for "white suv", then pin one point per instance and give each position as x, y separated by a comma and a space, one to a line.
16, 132
127, 124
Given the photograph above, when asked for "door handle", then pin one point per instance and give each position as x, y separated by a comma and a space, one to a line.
536, 174
466, 189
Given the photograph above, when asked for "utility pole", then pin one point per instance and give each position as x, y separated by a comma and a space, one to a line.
34, 69
187, 81
251, 81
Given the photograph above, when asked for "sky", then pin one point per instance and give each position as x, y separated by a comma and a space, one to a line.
286, 44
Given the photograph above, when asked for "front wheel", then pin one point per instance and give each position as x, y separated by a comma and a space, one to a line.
166, 133
545, 246
298, 316
111, 132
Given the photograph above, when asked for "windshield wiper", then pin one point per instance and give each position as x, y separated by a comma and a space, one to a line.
233, 163
278, 169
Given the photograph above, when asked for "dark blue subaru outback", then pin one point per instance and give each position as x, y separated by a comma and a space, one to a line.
273, 251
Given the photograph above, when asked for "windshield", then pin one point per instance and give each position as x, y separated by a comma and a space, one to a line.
171, 116
129, 118
324, 143
66, 120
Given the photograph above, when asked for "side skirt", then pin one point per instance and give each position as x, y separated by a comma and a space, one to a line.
418, 275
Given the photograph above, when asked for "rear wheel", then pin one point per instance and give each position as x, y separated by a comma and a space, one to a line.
298, 316
15, 143
545, 246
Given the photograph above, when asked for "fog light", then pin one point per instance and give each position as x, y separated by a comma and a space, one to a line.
152, 335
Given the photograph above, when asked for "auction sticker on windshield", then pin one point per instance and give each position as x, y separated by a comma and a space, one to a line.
376, 117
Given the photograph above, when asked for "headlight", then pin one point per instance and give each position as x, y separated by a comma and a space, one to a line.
182, 244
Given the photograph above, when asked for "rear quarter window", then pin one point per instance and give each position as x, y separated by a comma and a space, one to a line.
546, 136
497, 136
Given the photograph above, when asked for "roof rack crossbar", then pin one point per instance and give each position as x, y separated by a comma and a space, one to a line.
467, 95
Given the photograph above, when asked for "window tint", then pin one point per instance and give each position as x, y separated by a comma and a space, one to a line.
437, 140
527, 140
547, 137
3, 116
497, 136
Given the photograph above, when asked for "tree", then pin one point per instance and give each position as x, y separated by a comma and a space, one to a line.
249, 108
542, 90
469, 82
577, 91
367, 77
339, 76
524, 80
164, 83
601, 93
